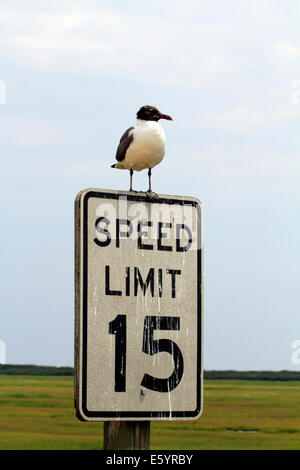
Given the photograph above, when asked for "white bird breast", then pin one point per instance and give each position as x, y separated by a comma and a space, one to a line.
148, 146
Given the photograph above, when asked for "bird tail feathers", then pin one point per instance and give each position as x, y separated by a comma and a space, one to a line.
113, 166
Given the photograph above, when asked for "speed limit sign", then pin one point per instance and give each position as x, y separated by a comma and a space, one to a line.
138, 306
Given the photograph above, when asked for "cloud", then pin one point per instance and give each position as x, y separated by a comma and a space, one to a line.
286, 50
239, 177
74, 169
188, 46
30, 132
247, 118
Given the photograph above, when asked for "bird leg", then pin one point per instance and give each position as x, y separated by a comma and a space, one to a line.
150, 193
131, 173
149, 176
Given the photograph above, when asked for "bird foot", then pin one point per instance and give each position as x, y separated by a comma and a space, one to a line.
152, 195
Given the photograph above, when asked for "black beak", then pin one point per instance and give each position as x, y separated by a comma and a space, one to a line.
165, 116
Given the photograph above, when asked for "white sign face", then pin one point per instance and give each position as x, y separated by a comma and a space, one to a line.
138, 347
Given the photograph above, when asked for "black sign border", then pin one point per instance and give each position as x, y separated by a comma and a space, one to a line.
88, 414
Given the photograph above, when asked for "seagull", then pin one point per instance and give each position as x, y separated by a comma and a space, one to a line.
142, 146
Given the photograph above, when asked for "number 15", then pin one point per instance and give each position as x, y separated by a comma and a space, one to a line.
150, 346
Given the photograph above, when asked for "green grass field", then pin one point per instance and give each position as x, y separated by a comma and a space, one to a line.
37, 413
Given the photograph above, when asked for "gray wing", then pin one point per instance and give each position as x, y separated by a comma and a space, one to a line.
124, 143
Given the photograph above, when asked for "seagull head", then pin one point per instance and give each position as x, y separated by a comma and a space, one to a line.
151, 113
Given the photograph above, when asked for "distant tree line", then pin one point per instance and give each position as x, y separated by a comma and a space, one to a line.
30, 369
252, 375
16, 369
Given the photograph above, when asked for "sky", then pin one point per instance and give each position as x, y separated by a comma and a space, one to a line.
72, 76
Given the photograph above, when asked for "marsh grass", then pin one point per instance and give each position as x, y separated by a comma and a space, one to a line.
37, 412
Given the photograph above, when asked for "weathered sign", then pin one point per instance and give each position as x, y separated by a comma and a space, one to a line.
138, 327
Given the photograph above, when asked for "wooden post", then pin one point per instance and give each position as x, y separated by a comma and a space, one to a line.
126, 435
